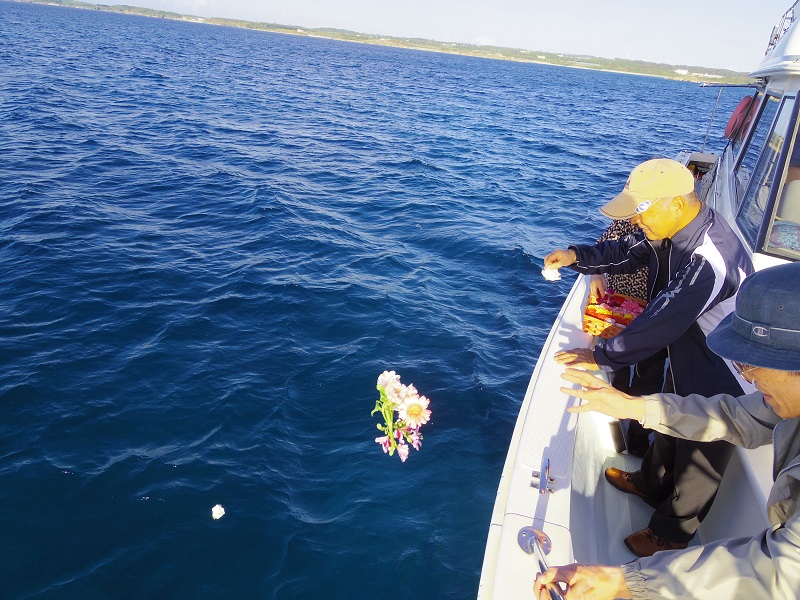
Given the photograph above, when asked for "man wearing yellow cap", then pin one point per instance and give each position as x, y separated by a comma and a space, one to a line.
695, 264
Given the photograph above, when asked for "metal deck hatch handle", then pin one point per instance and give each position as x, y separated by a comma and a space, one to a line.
536, 542
536, 478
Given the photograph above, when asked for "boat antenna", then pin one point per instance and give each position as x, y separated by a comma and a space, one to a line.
777, 32
713, 112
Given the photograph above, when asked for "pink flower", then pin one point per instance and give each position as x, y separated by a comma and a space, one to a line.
386, 378
414, 411
416, 439
629, 306
399, 393
385, 443
389, 383
402, 451
408, 392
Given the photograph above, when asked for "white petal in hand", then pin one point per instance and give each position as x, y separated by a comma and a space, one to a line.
551, 274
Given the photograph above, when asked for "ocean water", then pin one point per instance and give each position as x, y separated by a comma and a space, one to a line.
214, 240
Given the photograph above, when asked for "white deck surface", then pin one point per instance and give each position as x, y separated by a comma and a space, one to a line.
585, 517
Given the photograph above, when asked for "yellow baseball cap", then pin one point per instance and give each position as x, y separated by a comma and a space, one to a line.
650, 181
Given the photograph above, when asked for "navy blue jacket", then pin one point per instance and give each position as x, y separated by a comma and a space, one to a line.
707, 262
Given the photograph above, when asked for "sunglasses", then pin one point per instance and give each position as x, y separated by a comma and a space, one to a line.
643, 206
742, 368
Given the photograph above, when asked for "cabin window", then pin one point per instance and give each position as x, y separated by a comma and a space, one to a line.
782, 237
758, 168
748, 155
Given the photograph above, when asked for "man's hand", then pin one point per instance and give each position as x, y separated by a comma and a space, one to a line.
597, 286
602, 397
584, 582
580, 358
560, 258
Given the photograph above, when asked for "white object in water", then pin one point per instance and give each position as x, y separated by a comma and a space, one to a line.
551, 274
217, 511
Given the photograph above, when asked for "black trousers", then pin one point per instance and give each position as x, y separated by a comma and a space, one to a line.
685, 475
647, 377
682, 474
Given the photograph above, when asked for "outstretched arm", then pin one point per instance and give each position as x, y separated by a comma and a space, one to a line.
743, 421
602, 397
579, 358
560, 258
587, 582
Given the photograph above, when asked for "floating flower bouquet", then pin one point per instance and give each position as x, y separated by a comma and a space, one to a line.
412, 413
611, 313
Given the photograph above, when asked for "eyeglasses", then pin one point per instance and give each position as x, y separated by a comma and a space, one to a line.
742, 368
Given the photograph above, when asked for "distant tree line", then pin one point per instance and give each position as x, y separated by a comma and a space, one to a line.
683, 72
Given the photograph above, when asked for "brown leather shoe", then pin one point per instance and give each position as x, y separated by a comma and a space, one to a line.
647, 543
623, 481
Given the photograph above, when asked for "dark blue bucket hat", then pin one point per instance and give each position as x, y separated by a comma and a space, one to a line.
764, 330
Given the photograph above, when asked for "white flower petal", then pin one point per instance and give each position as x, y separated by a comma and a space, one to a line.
551, 274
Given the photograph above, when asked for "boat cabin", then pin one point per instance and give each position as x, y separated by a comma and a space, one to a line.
763, 159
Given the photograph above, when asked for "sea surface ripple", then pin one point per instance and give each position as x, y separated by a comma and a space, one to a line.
214, 240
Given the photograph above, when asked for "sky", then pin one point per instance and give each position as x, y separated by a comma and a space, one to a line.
727, 34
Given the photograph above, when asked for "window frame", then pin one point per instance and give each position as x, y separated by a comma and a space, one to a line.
759, 243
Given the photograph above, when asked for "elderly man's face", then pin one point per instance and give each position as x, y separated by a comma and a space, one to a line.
781, 390
658, 221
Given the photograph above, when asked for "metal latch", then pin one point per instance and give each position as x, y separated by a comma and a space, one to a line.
543, 484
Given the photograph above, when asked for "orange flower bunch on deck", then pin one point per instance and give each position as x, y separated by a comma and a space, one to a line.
608, 315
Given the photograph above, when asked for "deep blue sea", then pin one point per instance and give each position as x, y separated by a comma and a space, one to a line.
214, 240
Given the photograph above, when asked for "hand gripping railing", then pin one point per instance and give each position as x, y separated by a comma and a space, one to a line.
536, 542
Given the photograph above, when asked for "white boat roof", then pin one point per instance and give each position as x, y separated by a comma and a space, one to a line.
783, 51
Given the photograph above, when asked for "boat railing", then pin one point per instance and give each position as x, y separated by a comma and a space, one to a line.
720, 87
777, 32
537, 542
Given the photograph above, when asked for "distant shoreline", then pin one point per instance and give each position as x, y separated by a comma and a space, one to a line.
531, 61
689, 73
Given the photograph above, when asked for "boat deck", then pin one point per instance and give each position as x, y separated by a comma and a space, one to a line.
601, 516
584, 517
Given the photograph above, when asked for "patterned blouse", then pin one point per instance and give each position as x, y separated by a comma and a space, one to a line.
630, 284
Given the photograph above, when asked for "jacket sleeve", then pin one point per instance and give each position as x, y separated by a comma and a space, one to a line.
665, 319
766, 567
745, 421
624, 255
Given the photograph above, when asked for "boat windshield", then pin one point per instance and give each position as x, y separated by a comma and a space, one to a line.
767, 184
